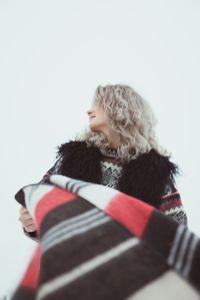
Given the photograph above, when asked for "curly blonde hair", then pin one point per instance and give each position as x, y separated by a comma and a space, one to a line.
130, 116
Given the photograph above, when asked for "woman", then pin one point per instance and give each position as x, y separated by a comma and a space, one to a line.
120, 150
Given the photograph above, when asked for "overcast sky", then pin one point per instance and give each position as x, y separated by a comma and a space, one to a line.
53, 54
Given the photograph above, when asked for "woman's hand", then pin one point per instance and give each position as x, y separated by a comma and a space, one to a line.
26, 220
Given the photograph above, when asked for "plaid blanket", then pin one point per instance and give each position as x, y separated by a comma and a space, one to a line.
98, 243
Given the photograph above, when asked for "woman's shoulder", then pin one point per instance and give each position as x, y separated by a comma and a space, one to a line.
156, 162
61, 148
76, 148
153, 169
75, 145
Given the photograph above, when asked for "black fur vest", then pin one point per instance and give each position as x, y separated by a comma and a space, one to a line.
147, 177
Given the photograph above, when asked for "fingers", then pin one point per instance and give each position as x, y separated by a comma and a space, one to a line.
25, 216
30, 228
23, 210
26, 220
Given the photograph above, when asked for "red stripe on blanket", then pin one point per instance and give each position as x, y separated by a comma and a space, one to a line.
49, 201
130, 212
30, 278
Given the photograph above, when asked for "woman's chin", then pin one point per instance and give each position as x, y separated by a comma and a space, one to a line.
94, 130
93, 127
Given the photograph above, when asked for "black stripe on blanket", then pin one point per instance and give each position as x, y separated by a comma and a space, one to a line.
71, 236
110, 263
177, 244
62, 212
76, 185
195, 269
108, 275
25, 293
160, 233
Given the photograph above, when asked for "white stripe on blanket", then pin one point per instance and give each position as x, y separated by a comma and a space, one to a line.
69, 222
91, 191
64, 279
33, 193
181, 259
64, 234
190, 255
168, 286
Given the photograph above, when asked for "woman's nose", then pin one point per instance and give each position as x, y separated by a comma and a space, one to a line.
88, 112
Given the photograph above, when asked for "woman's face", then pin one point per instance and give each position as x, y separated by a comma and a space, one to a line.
97, 119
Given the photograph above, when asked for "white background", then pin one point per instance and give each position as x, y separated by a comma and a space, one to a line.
53, 54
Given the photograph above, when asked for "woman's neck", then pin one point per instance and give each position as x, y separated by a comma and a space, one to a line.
113, 140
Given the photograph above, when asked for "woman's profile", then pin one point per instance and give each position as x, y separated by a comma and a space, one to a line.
120, 149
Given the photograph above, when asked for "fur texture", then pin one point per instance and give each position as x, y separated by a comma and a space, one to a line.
80, 161
147, 177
